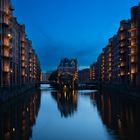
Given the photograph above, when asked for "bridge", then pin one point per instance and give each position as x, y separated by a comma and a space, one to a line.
88, 85
45, 82
83, 85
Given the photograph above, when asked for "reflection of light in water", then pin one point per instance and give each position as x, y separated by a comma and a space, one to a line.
44, 86
73, 92
87, 91
65, 94
119, 123
65, 88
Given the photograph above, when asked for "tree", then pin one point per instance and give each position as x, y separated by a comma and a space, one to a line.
53, 76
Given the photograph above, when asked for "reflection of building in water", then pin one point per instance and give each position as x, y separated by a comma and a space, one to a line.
119, 114
67, 102
18, 116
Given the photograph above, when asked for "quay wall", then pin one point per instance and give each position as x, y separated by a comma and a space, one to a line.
133, 91
7, 93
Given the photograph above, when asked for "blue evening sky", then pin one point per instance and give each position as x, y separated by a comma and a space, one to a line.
71, 28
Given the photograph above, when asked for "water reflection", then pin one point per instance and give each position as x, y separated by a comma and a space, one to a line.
66, 102
119, 114
18, 116
84, 115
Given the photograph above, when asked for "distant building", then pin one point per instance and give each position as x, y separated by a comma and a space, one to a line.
67, 72
92, 72
84, 76
45, 76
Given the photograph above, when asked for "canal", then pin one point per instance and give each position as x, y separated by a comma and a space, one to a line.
47, 114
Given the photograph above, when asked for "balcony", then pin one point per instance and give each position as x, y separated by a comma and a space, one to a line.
30, 51
23, 46
5, 21
23, 58
133, 59
133, 51
6, 42
122, 44
122, 51
23, 72
133, 43
109, 70
23, 41
133, 34
110, 55
121, 29
30, 65
30, 60
23, 51
6, 54
122, 64
122, 73
133, 70
23, 65
122, 37
6, 68
133, 29
110, 60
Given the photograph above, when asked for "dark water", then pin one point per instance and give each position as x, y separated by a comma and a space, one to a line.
81, 115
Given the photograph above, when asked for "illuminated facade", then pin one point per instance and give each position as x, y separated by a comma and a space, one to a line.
124, 61
135, 46
68, 72
19, 64
103, 66
110, 46
5, 41
119, 61
93, 72
106, 62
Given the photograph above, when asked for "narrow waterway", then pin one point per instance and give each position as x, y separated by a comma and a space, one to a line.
47, 114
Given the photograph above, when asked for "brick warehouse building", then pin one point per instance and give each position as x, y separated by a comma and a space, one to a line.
119, 61
19, 64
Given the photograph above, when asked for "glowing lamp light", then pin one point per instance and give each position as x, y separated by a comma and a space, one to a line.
27, 109
133, 71
14, 129
9, 35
